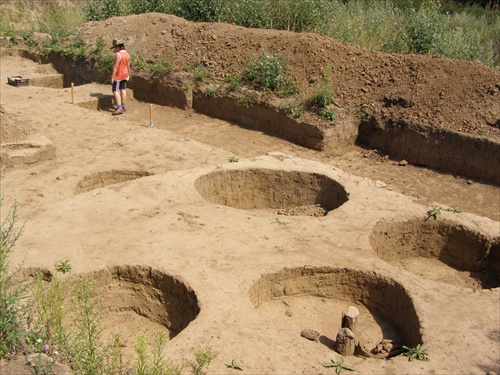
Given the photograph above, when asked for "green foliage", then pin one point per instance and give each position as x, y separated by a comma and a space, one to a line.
233, 82
418, 352
435, 211
249, 13
161, 65
88, 351
250, 97
210, 91
148, 6
203, 358
339, 365
323, 95
233, 159
99, 47
138, 61
234, 365
298, 16
293, 109
96, 10
47, 332
270, 72
150, 360
14, 306
423, 30
63, 266
201, 10
328, 114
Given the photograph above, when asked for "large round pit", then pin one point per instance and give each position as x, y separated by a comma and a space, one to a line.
439, 251
315, 298
288, 192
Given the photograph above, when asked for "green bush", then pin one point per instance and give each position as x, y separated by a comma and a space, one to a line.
424, 29
201, 10
323, 95
96, 10
298, 15
248, 13
270, 72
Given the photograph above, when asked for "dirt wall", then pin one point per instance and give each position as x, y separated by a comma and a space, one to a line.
420, 144
432, 147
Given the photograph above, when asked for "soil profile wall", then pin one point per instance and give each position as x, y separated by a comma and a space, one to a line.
432, 147
442, 149
257, 117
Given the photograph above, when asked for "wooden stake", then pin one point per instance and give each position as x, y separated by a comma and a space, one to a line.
72, 93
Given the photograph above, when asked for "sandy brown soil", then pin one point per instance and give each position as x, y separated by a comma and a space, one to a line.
136, 207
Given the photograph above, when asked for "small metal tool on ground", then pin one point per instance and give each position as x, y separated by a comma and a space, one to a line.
150, 116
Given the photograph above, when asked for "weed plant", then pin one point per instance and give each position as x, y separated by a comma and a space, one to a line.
339, 365
234, 365
418, 352
297, 111
250, 97
14, 309
203, 358
323, 95
269, 72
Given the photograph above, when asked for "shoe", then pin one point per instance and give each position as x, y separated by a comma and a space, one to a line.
124, 109
118, 111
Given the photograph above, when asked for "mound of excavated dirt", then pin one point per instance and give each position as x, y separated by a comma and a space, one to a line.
459, 95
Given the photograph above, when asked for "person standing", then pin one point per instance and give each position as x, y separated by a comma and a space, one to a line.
120, 75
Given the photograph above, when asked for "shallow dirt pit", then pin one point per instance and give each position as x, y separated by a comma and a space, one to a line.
438, 250
106, 178
315, 298
288, 193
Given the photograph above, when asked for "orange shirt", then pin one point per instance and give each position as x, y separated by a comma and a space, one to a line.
122, 72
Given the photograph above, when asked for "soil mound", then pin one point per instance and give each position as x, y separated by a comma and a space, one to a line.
458, 95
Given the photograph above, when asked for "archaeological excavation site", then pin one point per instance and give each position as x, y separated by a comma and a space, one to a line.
283, 244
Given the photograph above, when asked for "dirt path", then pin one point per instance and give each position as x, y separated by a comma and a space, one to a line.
259, 278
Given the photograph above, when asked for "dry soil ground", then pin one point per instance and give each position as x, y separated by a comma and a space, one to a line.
146, 210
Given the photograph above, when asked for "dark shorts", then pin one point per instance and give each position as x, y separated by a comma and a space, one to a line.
119, 85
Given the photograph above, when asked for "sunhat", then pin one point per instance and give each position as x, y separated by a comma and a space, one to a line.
117, 42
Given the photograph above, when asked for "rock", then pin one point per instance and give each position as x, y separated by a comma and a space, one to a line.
310, 334
386, 348
361, 351
350, 318
345, 343
39, 360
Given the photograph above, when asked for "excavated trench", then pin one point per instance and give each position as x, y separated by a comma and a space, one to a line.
287, 193
294, 299
464, 257
417, 143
